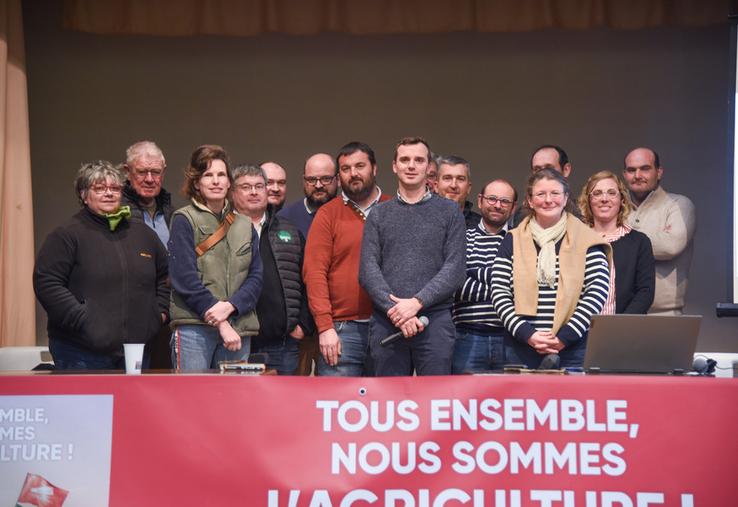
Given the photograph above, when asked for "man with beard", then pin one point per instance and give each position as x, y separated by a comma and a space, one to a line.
479, 331
284, 317
320, 186
454, 182
339, 305
276, 184
669, 221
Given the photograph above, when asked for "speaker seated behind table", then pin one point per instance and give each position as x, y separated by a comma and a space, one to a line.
100, 277
215, 269
605, 205
551, 274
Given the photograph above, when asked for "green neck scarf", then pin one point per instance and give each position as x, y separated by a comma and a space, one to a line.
116, 218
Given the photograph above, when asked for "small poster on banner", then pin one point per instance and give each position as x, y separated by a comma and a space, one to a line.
55, 450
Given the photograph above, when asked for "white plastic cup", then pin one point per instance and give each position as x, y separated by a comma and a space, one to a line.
134, 357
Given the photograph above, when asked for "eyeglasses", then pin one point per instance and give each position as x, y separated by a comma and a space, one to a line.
142, 173
259, 187
493, 199
324, 180
103, 189
598, 194
553, 194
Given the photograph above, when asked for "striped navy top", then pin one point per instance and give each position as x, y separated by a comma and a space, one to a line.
592, 299
473, 301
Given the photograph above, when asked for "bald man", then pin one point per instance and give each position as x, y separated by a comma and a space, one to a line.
320, 185
669, 221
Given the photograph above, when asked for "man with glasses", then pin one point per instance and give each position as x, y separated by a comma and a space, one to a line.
479, 332
149, 202
152, 205
319, 185
284, 317
669, 221
454, 182
276, 184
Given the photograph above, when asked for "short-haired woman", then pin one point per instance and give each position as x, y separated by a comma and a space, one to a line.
100, 277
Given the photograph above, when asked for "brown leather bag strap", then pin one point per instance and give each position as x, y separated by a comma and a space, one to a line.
219, 234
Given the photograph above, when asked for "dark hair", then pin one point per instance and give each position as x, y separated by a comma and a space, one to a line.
406, 141
353, 147
199, 163
563, 157
488, 183
549, 174
453, 160
656, 158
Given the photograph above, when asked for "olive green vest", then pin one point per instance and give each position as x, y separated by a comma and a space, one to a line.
222, 269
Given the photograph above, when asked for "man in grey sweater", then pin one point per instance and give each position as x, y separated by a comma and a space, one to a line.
412, 261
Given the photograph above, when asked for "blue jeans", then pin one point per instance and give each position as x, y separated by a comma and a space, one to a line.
352, 362
71, 356
476, 351
283, 357
428, 353
197, 347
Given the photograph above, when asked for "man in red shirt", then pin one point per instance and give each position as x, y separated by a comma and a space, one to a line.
339, 305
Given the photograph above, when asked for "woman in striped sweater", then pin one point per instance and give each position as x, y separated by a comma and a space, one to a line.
551, 274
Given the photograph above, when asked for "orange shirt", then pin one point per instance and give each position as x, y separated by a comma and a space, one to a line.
331, 266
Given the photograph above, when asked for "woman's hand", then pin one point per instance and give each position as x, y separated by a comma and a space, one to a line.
231, 339
545, 342
218, 313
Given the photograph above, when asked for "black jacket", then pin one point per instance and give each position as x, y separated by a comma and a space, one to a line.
471, 218
283, 301
635, 273
163, 204
100, 288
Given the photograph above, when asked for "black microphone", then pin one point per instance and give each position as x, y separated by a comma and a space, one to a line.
704, 365
550, 362
396, 336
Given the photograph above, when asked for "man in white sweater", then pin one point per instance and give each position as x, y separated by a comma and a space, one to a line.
669, 221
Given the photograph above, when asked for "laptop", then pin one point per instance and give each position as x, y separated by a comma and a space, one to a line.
642, 343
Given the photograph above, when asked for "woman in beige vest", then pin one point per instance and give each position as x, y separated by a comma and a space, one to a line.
549, 277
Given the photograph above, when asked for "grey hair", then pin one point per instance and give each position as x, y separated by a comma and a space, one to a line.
248, 170
94, 172
144, 149
454, 160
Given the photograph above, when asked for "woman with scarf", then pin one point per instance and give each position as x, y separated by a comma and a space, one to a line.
605, 205
215, 269
551, 274
100, 277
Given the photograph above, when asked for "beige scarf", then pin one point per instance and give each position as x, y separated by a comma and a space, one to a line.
578, 238
546, 239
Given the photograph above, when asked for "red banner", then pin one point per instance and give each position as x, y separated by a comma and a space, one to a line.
485, 441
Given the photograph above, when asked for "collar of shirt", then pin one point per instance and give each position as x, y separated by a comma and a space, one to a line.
428, 194
501, 232
307, 207
364, 212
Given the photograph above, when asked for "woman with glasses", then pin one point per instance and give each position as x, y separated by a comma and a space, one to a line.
550, 276
605, 205
100, 277
215, 268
